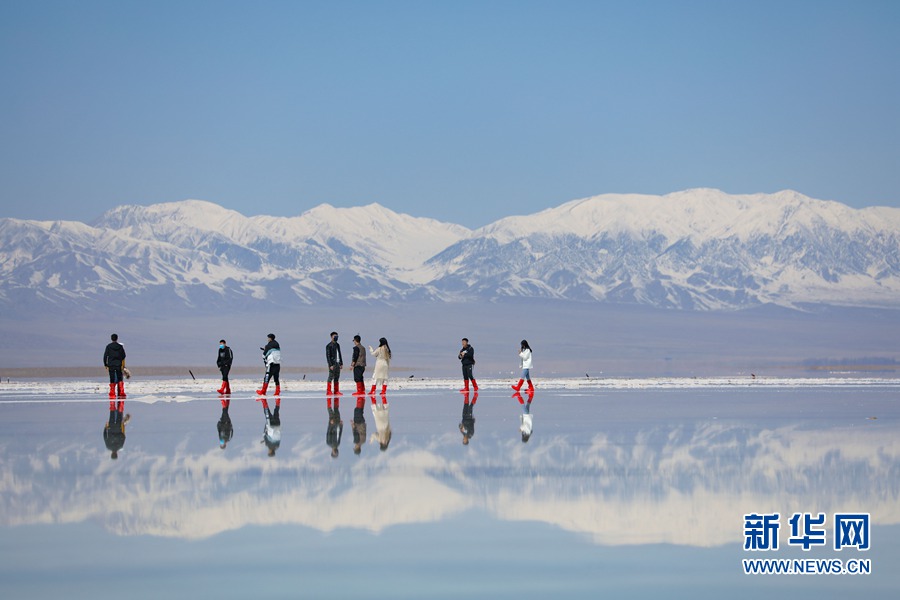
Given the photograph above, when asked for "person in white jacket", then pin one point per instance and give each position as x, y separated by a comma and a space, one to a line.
382, 365
272, 430
272, 358
381, 414
526, 422
525, 363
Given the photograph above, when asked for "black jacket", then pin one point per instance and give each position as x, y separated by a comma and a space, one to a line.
114, 355
114, 437
467, 425
333, 354
225, 427
226, 356
468, 355
335, 428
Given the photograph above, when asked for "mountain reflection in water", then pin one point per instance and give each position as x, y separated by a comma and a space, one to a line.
683, 481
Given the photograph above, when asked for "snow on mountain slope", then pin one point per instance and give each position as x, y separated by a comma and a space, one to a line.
178, 219
696, 249
697, 214
198, 253
393, 240
368, 237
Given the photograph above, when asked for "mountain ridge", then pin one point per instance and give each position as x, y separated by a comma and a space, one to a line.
699, 249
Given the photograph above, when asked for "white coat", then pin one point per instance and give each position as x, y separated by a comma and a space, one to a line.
382, 362
525, 355
382, 433
526, 424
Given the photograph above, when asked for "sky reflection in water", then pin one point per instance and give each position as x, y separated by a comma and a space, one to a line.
616, 490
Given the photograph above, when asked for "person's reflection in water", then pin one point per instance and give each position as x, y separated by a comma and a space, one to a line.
226, 429
467, 425
272, 432
335, 426
359, 425
526, 423
382, 422
114, 430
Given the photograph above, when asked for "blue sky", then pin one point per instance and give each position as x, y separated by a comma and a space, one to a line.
460, 111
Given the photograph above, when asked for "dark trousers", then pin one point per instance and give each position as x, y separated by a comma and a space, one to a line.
115, 416
467, 372
273, 418
225, 371
115, 374
334, 373
358, 374
272, 372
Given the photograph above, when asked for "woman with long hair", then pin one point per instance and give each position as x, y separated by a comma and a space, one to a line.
525, 363
382, 365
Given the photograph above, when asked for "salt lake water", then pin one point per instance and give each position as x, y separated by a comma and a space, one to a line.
636, 488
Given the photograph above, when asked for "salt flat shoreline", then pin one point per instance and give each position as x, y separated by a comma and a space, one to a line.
205, 387
400, 372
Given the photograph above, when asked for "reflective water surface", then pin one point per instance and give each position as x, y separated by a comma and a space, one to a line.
430, 493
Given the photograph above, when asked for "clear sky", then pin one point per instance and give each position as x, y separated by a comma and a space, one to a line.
460, 111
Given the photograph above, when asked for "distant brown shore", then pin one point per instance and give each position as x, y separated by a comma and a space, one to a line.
163, 371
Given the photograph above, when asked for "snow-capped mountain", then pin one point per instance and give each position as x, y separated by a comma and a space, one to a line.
198, 254
697, 249
694, 249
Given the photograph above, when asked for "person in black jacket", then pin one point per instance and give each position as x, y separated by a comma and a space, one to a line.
114, 361
114, 429
223, 361
467, 424
335, 362
335, 427
467, 358
225, 427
